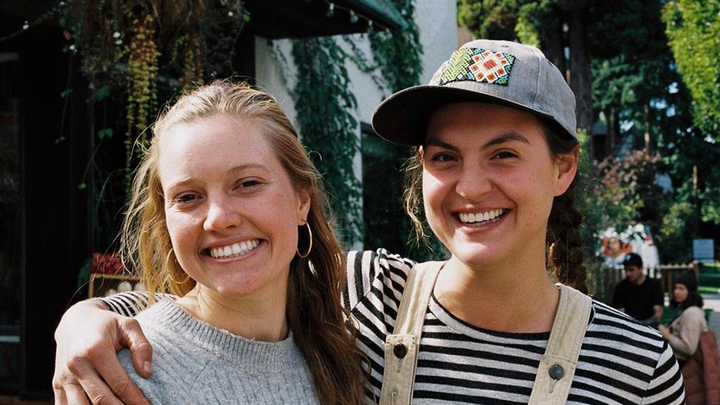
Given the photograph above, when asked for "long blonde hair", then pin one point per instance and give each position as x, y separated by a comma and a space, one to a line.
320, 325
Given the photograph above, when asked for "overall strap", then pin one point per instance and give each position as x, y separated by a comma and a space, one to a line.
401, 348
557, 366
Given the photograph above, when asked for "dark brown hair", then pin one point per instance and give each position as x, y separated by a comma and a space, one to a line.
563, 241
319, 323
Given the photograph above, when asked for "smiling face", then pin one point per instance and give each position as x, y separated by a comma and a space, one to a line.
488, 183
231, 210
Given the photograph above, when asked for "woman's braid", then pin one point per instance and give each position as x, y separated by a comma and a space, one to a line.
565, 253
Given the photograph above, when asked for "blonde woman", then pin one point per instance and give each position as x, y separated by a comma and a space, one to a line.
227, 214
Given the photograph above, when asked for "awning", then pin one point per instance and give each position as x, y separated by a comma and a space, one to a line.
310, 18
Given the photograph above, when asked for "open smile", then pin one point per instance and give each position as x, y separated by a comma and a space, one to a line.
479, 219
234, 250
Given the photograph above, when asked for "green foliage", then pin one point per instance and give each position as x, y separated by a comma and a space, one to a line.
134, 55
397, 53
676, 233
324, 105
587, 191
629, 189
494, 19
534, 19
693, 27
105, 133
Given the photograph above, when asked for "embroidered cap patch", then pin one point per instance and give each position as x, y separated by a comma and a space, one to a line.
477, 65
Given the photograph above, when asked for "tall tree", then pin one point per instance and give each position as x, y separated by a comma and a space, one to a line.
693, 27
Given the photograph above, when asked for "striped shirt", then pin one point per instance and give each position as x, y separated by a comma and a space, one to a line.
621, 361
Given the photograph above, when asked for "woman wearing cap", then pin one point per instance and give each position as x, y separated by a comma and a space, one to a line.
684, 332
494, 174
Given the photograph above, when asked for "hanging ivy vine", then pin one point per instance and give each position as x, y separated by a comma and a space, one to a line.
325, 107
127, 48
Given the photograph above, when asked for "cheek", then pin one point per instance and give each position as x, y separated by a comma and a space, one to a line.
434, 191
180, 230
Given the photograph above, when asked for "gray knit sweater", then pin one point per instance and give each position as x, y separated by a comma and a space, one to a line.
196, 363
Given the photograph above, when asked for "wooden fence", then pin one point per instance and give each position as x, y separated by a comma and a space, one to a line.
602, 279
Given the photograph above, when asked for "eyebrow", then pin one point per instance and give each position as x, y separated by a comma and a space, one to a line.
234, 170
498, 140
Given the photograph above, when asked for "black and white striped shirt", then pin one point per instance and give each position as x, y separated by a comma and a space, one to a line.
621, 361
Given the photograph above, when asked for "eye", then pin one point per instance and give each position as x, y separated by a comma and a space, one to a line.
504, 155
443, 157
248, 183
184, 199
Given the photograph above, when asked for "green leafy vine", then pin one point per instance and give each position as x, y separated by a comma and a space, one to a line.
324, 106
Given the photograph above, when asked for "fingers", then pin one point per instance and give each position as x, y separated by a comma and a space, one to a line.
85, 385
75, 395
113, 381
132, 336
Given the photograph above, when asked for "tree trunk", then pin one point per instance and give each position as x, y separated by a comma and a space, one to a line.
553, 44
580, 74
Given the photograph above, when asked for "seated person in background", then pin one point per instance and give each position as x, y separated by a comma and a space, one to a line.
639, 296
694, 344
683, 334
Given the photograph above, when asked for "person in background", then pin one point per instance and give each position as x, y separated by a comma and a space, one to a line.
694, 343
637, 295
683, 333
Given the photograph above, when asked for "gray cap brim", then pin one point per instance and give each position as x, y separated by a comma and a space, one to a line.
403, 117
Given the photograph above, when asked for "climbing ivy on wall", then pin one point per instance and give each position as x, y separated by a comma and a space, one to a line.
325, 106
325, 110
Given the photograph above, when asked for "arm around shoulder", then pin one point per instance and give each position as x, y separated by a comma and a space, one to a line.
88, 338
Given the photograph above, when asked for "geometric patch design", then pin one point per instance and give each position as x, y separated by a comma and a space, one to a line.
478, 65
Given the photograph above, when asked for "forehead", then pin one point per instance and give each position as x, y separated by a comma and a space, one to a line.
213, 145
477, 121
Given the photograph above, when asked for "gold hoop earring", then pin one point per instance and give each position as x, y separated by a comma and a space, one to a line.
309, 246
167, 262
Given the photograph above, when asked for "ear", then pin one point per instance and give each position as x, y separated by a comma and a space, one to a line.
303, 206
566, 167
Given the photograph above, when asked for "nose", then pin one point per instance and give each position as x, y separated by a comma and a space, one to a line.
473, 182
222, 215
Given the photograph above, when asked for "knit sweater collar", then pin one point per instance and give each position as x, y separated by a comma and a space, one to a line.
251, 355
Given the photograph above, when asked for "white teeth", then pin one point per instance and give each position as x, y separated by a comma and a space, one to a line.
480, 216
236, 249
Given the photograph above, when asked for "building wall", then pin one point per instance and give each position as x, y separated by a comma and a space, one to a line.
437, 22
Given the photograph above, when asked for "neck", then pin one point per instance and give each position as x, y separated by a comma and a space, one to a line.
519, 299
640, 280
255, 317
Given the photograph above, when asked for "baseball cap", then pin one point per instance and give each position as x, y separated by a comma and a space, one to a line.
500, 72
632, 259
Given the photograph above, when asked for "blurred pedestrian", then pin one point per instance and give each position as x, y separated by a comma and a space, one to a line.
637, 295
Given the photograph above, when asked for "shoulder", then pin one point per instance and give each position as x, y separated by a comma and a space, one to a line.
694, 315
623, 331
629, 351
374, 261
374, 269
